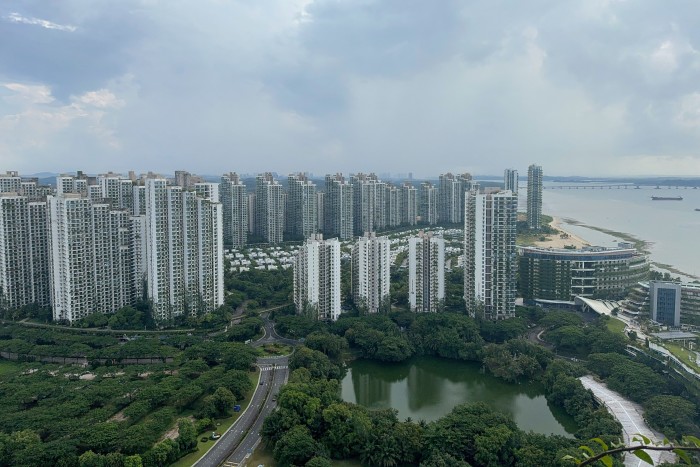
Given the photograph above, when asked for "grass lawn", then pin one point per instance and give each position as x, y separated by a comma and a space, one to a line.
224, 424
615, 325
682, 354
8, 367
274, 350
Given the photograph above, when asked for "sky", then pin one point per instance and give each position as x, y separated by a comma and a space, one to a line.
588, 87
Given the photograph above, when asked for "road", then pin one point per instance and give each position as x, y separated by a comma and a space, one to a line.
244, 434
280, 372
270, 335
631, 417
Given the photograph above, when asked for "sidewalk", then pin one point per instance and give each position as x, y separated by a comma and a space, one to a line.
631, 417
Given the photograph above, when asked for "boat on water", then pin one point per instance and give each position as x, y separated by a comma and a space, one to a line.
667, 198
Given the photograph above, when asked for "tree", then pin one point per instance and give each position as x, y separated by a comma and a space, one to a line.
223, 400
331, 345
457, 433
319, 462
393, 349
133, 461
316, 362
296, 447
671, 415
187, 435
347, 428
90, 459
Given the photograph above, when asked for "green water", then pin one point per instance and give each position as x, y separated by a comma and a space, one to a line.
428, 388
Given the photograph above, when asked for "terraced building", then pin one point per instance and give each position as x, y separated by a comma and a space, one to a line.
595, 272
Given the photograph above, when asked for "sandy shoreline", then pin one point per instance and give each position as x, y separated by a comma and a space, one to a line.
556, 241
564, 239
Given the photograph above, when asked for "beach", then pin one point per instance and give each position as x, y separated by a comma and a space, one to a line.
563, 239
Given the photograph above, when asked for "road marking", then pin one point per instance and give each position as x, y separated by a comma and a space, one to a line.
270, 367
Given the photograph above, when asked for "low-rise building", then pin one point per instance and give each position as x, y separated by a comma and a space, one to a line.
596, 272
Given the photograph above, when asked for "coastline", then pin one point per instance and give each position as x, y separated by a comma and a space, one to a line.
559, 223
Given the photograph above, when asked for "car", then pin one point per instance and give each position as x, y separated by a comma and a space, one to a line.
262, 382
215, 435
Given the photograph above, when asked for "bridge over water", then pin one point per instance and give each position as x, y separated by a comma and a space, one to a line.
615, 186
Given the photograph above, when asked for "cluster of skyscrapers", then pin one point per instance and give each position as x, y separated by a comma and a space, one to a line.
490, 259
97, 244
346, 208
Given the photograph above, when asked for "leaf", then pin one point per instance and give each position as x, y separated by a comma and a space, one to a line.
587, 449
643, 455
647, 441
665, 442
683, 455
692, 439
607, 460
601, 442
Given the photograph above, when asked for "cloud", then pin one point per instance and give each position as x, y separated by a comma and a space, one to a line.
17, 18
582, 87
37, 125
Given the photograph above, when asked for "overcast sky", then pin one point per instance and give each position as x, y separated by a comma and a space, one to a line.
589, 87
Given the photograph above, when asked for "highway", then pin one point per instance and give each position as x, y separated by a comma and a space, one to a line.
239, 441
280, 372
244, 434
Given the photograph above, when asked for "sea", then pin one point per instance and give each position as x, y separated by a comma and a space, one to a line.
670, 228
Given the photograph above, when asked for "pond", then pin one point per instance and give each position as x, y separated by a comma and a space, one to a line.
428, 388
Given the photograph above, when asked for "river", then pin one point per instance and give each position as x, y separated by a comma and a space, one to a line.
428, 388
671, 228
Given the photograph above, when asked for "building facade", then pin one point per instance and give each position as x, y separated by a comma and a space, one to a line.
490, 261
426, 273
451, 191
534, 197
317, 278
510, 180
91, 258
338, 208
302, 207
371, 273
24, 274
665, 301
428, 203
593, 272
369, 210
184, 251
234, 202
269, 209
409, 204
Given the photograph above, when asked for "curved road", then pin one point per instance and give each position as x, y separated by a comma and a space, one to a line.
241, 439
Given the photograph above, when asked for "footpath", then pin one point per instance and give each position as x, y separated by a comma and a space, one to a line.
631, 417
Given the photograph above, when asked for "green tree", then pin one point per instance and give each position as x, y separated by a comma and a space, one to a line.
223, 400
674, 416
347, 428
319, 462
90, 459
133, 461
296, 447
393, 349
238, 356
187, 435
